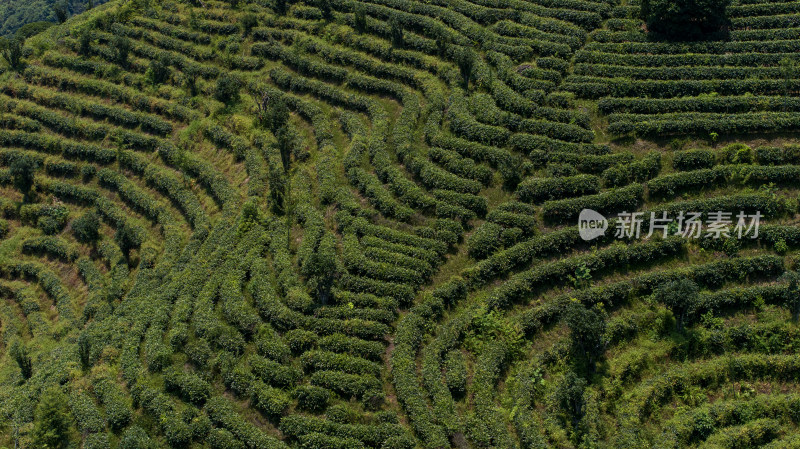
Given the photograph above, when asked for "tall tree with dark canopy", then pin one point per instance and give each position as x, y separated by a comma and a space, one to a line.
685, 20
680, 296
22, 168
587, 330
11, 49
61, 11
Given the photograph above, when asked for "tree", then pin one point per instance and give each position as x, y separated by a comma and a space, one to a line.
128, 237
85, 37
249, 21
321, 268
271, 111
280, 7
568, 398
11, 50
685, 19
158, 72
61, 11
325, 7
84, 349
53, 420
679, 296
86, 228
512, 169
360, 20
465, 58
789, 72
19, 352
21, 169
227, 90
793, 293
190, 79
587, 332
122, 46
396, 33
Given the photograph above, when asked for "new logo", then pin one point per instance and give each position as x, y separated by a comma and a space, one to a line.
591, 224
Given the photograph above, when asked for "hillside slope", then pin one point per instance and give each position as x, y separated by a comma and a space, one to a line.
14, 14
347, 224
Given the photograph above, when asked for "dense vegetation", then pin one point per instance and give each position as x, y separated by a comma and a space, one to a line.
14, 14
351, 224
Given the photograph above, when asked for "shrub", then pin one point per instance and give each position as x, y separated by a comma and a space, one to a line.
135, 437
625, 198
222, 414
693, 160
737, 153
128, 237
270, 401
311, 398
222, 439
455, 374
485, 240
189, 386
118, 407
300, 340
534, 190
122, 46
97, 441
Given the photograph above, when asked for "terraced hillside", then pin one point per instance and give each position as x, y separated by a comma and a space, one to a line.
350, 224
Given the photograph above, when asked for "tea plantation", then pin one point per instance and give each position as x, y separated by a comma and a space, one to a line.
324, 224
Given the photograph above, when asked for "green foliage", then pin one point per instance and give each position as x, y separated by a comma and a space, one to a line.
227, 89
360, 19
15, 14
679, 296
685, 19
397, 204
61, 12
311, 398
248, 22
86, 227
128, 237
396, 34
53, 421
793, 293
19, 352
587, 331
22, 169
568, 398
280, 7
455, 374
465, 59
122, 47
32, 29
135, 437
159, 71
